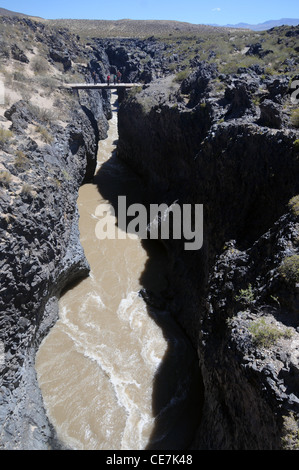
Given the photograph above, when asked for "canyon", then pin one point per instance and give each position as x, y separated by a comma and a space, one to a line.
192, 135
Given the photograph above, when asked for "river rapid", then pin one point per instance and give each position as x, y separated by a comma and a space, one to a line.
114, 373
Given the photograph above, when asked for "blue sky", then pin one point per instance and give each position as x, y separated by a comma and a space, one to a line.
193, 11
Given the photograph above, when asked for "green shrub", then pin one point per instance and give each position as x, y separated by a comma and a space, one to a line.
56, 182
290, 439
27, 190
296, 145
295, 118
66, 175
245, 295
180, 76
5, 178
5, 136
42, 114
19, 76
294, 205
48, 82
134, 90
39, 65
21, 161
264, 334
289, 269
45, 135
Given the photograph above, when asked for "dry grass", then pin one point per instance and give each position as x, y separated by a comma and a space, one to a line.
225, 47
130, 28
5, 136
45, 135
5, 178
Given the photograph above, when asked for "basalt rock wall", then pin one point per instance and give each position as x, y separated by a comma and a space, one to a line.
46, 154
42, 255
194, 144
43, 163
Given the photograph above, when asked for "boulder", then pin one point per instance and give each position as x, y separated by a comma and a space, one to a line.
197, 82
61, 56
238, 96
257, 49
270, 115
20, 116
18, 54
278, 88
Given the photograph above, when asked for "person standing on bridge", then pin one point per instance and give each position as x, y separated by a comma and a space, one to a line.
114, 78
118, 77
108, 80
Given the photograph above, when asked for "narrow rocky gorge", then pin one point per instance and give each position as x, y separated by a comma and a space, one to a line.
222, 140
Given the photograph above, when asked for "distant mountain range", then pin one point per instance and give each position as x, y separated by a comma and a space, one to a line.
266, 25
255, 27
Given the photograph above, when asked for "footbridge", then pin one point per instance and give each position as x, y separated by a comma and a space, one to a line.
102, 86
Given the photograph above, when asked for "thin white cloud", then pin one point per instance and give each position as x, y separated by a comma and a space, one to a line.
216, 9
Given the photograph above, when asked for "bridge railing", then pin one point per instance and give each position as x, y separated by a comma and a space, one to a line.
99, 86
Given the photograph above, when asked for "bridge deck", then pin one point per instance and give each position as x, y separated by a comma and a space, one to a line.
101, 86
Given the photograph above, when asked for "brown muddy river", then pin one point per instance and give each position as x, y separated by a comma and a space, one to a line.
114, 374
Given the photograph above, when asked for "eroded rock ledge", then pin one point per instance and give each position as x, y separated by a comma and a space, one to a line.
209, 141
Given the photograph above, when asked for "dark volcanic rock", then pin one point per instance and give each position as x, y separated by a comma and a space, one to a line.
270, 115
41, 252
20, 115
197, 82
244, 175
18, 54
257, 49
278, 87
61, 56
238, 97
138, 60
